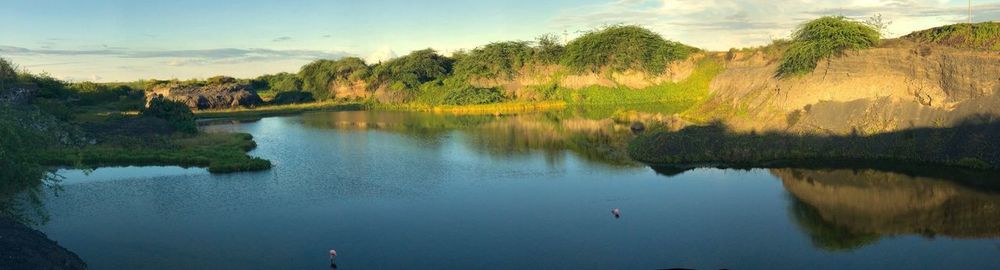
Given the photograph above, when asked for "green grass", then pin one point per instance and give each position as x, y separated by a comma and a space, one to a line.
219, 152
824, 38
979, 36
683, 94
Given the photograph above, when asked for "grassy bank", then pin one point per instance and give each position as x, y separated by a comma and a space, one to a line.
274, 110
682, 94
220, 153
970, 145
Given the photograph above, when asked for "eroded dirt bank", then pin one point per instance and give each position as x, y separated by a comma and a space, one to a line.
897, 86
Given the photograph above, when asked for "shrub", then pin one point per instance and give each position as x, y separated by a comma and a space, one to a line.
54, 107
410, 71
506, 59
281, 82
292, 97
220, 80
176, 113
8, 74
548, 50
823, 38
495, 60
472, 95
118, 97
623, 48
980, 36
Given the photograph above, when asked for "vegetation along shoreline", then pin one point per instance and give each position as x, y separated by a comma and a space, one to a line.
745, 106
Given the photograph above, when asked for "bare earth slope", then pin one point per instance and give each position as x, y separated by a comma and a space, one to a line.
897, 86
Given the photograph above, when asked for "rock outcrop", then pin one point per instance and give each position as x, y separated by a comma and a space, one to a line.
17, 95
896, 86
211, 96
25, 248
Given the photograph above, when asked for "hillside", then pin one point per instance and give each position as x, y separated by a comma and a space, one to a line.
898, 85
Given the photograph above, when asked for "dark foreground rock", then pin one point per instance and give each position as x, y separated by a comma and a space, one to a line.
24, 248
221, 94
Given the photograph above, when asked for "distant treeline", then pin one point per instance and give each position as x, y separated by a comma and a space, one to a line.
430, 77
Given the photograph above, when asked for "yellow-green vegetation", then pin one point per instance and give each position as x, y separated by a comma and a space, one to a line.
979, 36
823, 38
973, 145
220, 152
493, 108
242, 112
683, 94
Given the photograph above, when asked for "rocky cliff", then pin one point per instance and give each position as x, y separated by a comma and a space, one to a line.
898, 85
208, 96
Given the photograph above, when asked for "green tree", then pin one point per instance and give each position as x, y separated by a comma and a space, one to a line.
8, 74
280, 82
408, 72
548, 50
177, 114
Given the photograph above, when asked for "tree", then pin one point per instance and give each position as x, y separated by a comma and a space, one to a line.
8, 74
880, 23
281, 82
409, 71
317, 76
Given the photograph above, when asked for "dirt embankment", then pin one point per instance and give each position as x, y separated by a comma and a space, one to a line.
535, 76
24, 248
896, 86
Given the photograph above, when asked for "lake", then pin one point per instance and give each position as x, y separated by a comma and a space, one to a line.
392, 190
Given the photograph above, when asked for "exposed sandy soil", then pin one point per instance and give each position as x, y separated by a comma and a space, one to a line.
896, 86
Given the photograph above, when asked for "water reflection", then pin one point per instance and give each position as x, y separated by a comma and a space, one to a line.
844, 209
601, 141
21, 198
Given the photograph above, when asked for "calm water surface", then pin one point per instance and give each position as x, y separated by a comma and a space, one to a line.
407, 190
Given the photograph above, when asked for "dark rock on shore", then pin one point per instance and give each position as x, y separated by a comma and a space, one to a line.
217, 94
17, 95
25, 248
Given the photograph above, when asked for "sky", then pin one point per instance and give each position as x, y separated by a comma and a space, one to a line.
124, 40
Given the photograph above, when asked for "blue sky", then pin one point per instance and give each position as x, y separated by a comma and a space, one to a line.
118, 40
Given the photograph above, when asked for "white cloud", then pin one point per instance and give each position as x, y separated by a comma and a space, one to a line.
380, 55
721, 24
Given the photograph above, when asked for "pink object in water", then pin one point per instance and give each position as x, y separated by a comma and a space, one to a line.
333, 253
616, 212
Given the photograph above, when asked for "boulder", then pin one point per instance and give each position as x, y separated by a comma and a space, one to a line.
214, 95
